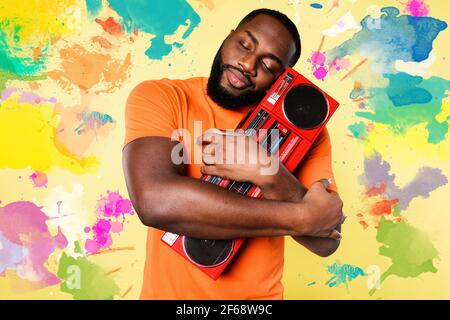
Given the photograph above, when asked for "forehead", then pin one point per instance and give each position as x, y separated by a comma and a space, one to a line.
272, 36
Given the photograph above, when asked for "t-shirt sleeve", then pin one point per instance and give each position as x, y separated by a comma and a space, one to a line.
151, 110
317, 163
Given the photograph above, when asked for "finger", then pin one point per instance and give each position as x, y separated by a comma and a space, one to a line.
336, 235
326, 182
210, 170
322, 184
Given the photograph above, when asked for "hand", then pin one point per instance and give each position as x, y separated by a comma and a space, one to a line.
236, 156
324, 211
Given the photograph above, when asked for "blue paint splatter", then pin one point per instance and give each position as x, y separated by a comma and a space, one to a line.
93, 7
93, 120
403, 90
311, 283
342, 274
11, 254
390, 38
159, 18
409, 101
316, 5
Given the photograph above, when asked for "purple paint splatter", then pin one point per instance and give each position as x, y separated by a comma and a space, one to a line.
29, 243
376, 174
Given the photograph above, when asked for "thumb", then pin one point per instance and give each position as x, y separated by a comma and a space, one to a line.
321, 184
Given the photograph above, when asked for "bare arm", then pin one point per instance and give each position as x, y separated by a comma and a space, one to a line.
165, 198
284, 186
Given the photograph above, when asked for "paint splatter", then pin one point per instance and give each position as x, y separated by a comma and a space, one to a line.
110, 26
317, 61
391, 37
88, 69
146, 17
92, 121
377, 175
93, 7
417, 8
345, 23
26, 37
85, 280
39, 179
111, 214
391, 42
311, 283
358, 130
79, 128
29, 244
342, 274
32, 142
316, 5
408, 101
411, 251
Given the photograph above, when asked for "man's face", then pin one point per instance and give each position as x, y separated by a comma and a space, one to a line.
250, 59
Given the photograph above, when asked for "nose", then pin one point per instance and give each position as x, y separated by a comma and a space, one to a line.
248, 65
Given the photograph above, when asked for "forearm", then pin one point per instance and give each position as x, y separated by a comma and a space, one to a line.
191, 207
286, 187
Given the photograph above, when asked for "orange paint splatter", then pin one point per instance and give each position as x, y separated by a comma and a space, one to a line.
110, 26
383, 207
86, 69
364, 224
66, 134
104, 43
208, 3
376, 190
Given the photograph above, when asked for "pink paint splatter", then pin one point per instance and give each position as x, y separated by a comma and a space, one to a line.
111, 214
417, 8
23, 225
338, 65
317, 61
320, 73
39, 179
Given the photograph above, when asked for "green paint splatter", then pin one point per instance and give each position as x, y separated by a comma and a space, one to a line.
85, 280
383, 102
93, 7
7, 75
411, 250
342, 274
159, 18
358, 130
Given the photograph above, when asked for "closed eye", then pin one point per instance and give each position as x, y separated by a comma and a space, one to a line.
267, 68
244, 46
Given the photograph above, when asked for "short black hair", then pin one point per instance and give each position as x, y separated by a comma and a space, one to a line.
288, 24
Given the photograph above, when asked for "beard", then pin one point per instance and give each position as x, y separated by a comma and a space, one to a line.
221, 96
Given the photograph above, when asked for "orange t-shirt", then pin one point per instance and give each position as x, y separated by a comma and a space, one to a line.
157, 108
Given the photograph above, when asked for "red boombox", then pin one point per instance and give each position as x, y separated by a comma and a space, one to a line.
297, 111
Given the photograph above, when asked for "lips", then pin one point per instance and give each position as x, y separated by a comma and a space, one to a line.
236, 79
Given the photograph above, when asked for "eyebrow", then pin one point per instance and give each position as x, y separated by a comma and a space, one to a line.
270, 55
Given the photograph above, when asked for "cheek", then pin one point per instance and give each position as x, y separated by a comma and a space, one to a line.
263, 81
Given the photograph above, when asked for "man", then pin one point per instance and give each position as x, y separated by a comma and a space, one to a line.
170, 197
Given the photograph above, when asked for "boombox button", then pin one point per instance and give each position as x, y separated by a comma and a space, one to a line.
170, 238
